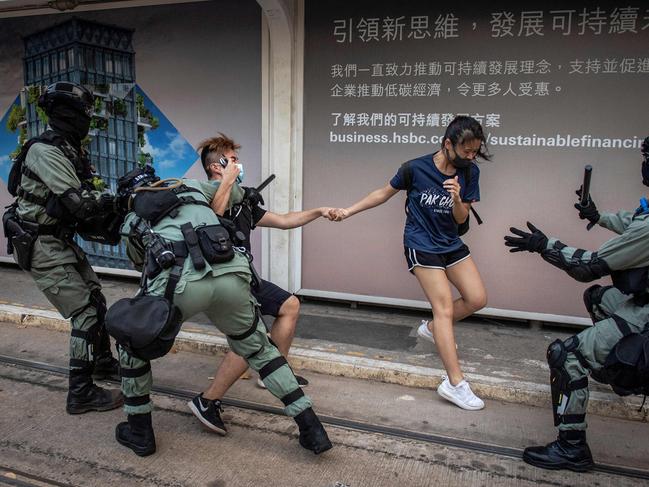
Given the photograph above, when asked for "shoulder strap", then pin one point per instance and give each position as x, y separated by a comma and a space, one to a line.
467, 181
406, 173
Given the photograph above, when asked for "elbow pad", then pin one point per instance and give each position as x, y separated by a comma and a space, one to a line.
582, 271
79, 206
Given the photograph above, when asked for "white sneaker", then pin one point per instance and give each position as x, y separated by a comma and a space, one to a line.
461, 395
424, 332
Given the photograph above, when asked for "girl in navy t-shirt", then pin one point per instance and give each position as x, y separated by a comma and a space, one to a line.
441, 188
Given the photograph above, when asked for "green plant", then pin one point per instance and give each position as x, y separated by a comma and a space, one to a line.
119, 107
98, 123
99, 105
42, 116
140, 136
144, 158
98, 183
16, 115
33, 93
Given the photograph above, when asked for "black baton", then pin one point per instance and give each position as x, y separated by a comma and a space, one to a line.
265, 183
585, 188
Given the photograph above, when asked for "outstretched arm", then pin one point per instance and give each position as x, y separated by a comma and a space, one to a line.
375, 198
582, 265
292, 219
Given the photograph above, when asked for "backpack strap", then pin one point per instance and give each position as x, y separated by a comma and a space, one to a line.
467, 181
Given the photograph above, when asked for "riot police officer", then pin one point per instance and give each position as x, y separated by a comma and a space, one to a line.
190, 265
619, 312
49, 179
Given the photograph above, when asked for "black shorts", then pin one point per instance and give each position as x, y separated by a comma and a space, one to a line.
435, 261
270, 297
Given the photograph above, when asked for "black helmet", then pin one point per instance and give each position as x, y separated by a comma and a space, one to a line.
67, 93
135, 178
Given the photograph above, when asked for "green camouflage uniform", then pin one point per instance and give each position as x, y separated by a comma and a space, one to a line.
222, 292
628, 250
59, 267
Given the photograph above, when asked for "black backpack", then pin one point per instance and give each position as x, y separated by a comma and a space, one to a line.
626, 367
462, 228
16, 172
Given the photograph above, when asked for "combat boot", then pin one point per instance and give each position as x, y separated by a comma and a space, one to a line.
84, 396
137, 434
569, 451
312, 434
106, 367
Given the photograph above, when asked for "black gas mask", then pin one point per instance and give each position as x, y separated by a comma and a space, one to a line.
73, 124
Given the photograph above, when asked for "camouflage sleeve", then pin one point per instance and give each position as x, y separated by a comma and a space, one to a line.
55, 170
134, 247
628, 250
616, 222
582, 265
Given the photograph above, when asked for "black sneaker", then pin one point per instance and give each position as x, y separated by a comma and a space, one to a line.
301, 381
209, 413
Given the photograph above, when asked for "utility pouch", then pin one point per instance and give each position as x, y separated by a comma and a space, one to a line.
215, 243
19, 242
236, 236
631, 281
146, 326
626, 367
23, 244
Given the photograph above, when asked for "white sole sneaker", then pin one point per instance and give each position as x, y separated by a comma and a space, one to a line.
425, 333
445, 391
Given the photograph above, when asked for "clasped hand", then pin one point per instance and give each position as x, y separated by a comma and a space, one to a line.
588, 211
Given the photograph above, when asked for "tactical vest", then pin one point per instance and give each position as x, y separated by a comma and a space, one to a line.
18, 169
147, 326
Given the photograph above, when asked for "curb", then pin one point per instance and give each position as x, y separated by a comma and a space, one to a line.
487, 387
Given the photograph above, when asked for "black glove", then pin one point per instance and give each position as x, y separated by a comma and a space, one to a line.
107, 202
121, 203
532, 242
588, 212
253, 197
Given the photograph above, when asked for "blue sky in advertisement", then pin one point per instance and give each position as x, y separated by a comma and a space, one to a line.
8, 143
172, 154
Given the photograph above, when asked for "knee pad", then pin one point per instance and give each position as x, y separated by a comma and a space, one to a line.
561, 384
556, 356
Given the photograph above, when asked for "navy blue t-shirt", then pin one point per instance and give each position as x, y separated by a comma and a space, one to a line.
430, 226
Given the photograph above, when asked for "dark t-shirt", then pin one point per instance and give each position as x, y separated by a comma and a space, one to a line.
430, 226
245, 219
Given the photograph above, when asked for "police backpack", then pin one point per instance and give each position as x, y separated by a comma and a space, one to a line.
145, 326
626, 367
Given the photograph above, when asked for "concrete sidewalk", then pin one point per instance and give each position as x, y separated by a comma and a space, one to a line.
502, 360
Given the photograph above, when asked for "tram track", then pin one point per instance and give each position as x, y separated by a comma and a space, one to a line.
16, 478
469, 445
